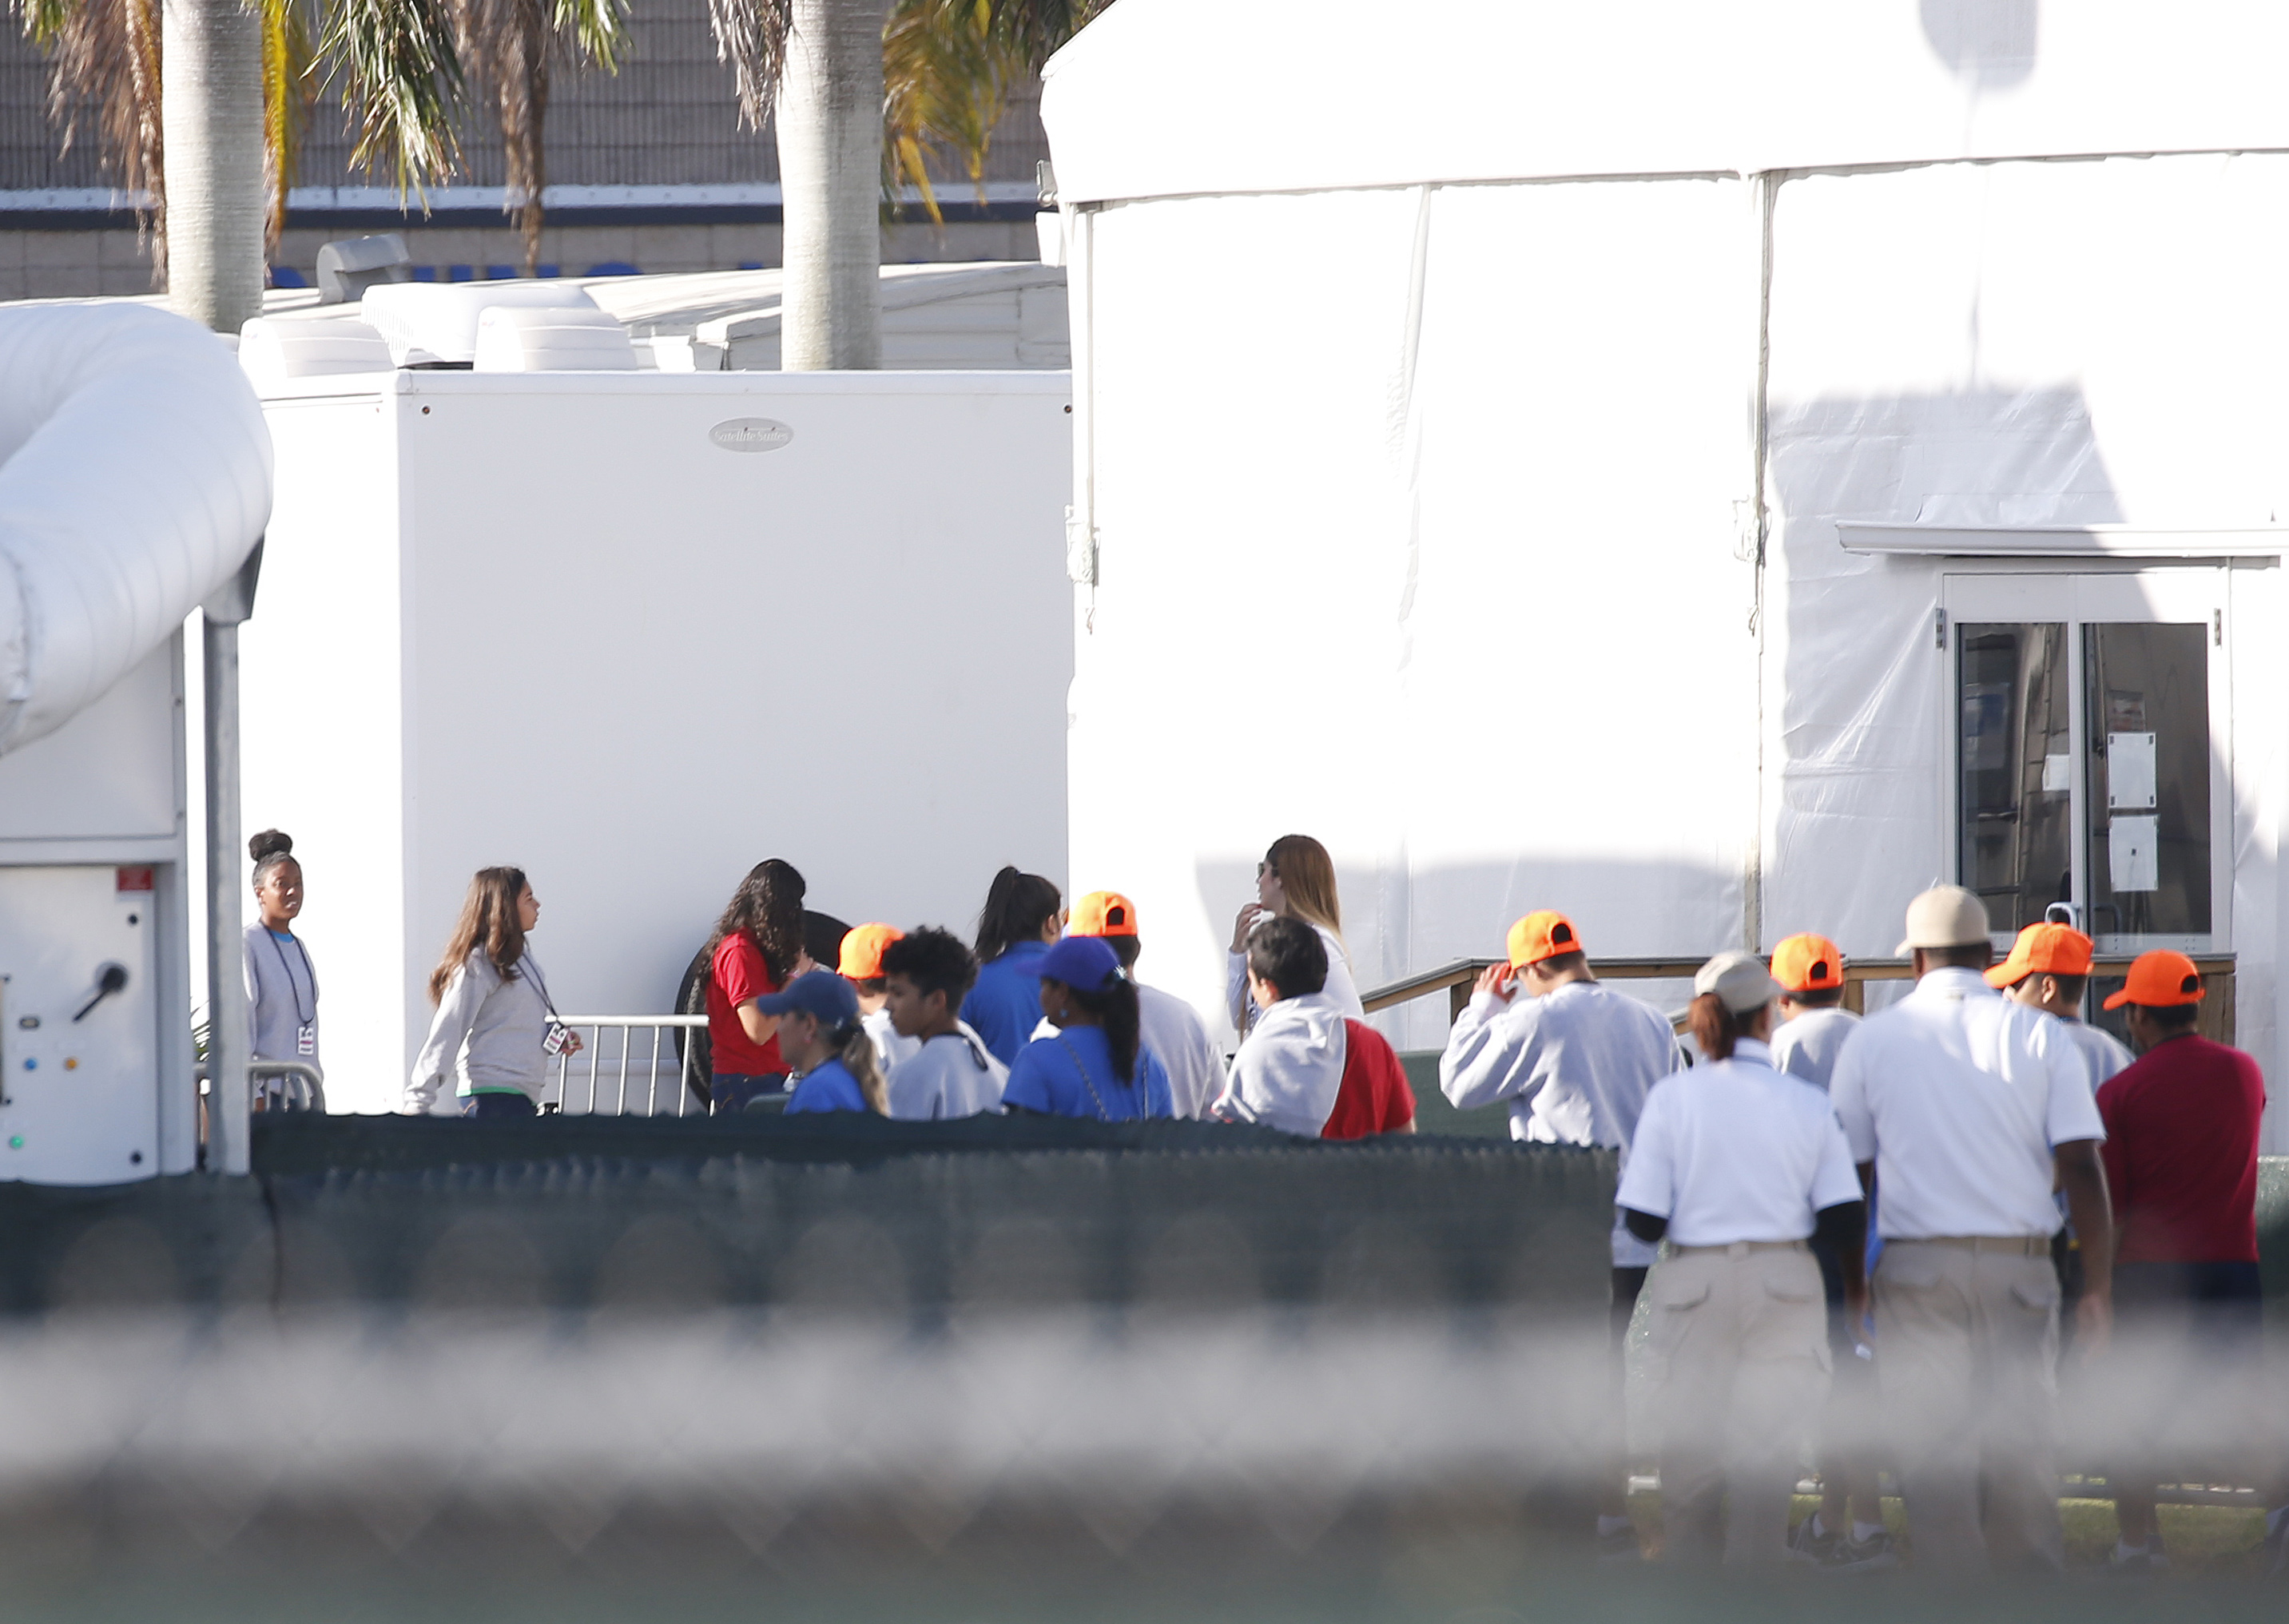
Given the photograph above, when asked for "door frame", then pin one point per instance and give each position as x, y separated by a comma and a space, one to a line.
2077, 594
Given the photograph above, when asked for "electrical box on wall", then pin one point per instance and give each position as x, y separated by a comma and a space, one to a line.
79, 1072
96, 1063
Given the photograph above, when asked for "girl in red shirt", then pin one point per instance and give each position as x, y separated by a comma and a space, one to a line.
757, 950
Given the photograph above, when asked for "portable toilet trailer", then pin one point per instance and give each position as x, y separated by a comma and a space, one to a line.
134, 483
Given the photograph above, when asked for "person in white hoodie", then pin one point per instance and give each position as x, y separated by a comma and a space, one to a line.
1296, 880
926, 974
1290, 1065
495, 1028
1576, 1060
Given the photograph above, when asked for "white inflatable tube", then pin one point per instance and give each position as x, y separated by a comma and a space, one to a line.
134, 479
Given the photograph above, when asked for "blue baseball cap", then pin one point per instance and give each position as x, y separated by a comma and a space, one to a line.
1082, 962
821, 993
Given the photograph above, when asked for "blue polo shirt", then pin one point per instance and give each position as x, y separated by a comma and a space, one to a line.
1005, 1006
829, 1087
1056, 1075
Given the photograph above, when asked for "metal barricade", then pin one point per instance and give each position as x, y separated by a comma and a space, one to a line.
286, 1085
595, 1083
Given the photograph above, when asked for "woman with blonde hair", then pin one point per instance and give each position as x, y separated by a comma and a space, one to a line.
495, 1028
1296, 880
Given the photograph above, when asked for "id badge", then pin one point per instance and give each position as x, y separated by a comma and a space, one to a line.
553, 1040
305, 1039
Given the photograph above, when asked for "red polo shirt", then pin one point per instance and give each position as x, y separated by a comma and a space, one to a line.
2181, 1153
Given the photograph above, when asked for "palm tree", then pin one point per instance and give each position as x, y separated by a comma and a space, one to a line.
823, 61
212, 121
230, 115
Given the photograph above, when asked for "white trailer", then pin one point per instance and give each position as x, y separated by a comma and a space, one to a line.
634, 632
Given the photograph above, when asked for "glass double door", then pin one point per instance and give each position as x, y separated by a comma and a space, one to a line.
2092, 777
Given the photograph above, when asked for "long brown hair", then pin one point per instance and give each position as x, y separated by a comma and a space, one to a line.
490, 921
767, 908
1307, 879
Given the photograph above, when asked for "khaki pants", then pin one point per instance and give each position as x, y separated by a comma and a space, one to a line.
1966, 1340
1741, 1335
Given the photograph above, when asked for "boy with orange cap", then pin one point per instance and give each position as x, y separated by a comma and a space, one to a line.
1576, 1060
2181, 1152
1815, 1022
2049, 968
861, 966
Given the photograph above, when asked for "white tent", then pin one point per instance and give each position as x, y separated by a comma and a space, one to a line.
1712, 468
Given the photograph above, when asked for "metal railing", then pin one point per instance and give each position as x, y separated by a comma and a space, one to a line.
286, 1085
595, 1083
1456, 979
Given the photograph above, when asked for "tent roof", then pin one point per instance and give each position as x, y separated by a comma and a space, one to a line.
1167, 98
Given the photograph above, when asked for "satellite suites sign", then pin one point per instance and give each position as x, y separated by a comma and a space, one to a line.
751, 434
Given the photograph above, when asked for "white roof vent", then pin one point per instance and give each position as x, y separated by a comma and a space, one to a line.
430, 323
273, 351
526, 341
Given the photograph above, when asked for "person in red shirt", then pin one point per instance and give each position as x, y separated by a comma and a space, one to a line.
2180, 1151
758, 948
1374, 1097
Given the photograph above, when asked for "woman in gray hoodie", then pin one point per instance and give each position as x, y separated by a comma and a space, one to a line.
494, 1020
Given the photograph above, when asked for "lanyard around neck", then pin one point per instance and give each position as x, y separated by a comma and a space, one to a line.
292, 986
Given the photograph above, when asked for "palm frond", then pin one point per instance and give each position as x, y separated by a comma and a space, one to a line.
103, 57
510, 48
400, 78
1035, 28
752, 37
946, 78
598, 30
289, 92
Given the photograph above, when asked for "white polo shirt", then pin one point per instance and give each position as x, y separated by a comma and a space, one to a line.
1808, 1046
1737, 1151
1958, 1096
1575, 1066
2101, 1052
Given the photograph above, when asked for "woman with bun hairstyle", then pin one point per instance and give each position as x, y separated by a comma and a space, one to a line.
757, 950
495, 1021
1296, 880
282, 985
1096, 1065
1023, 915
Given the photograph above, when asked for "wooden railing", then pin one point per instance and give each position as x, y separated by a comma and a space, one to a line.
1456, 979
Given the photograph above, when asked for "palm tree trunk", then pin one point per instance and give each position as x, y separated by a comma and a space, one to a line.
210, 101
830, 138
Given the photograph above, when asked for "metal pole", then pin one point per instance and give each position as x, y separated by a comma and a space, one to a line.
228, 1135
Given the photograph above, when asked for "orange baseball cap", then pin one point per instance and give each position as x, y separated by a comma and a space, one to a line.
1102, 913
862, 951
1543, 934
2159, 979
1808, 963
2055, 950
